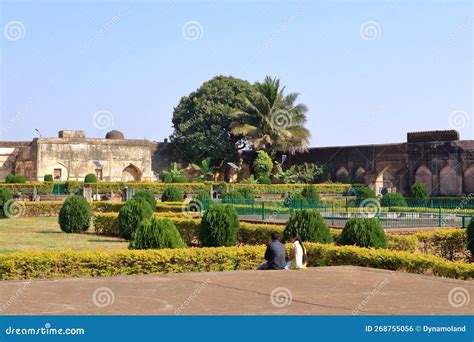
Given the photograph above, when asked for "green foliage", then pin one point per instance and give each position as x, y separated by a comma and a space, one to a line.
148, 196
419, 191
15, 179
233, 197
310, 173
271, 120
363, 233
203, 195
90, 178
156, 233
75, 215
264, 180
172, 194
310, 194
174, 175
48, 178
363, 192
167, 178
310, 226
179, 179
247, 192
201, 120
295, 200
5, 196
131, 215
219, 226
470, 237
393, 200
262, 165
205, 169
288, 176
250, 180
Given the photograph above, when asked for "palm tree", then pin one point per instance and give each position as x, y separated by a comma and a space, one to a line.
271, 120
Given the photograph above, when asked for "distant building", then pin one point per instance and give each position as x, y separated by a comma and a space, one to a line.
437, 158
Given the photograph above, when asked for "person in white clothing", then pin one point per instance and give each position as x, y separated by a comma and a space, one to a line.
298, 257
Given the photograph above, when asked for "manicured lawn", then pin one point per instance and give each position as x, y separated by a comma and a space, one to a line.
43, 233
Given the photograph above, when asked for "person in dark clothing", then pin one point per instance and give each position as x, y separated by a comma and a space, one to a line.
275, 255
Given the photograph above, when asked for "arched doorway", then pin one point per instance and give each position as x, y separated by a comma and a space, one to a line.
423, 175
342, 175
131, 173
469, 180
448, 182
58, 171
359, 175
385, 180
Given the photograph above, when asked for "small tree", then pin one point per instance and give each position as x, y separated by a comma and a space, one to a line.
309, 225
131, 215
90, 178
470, 237
393, 200
419, 191
156, 233
203, 195
75, 215
363, 192
148, 196
262, 165
219, 226
232, 196
247, 192
48, 178
172, 194
264, 180
363, 233
15, 179
5, 196
311, 194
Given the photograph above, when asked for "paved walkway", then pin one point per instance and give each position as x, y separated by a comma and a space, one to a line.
340, 290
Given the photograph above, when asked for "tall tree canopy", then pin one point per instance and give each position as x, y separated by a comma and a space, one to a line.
270, 120
202, 119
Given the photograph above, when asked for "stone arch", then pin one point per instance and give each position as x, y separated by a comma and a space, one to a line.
384, 180
59, 171
359, 175
423, 175
131, 173
342, 175
469, 180
448, 181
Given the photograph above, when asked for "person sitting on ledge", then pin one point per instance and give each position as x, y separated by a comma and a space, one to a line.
298, 256
275, 255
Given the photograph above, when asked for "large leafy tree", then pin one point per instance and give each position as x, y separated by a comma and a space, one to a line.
271, 120
202, 119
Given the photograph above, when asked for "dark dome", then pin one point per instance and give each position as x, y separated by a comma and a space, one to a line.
114, 135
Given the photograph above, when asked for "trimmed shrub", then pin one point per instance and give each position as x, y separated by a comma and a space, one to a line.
310, 226
393, 200
172, 194
203, 195
264, 180
48, 178
131, 215
295, 200
148, 196
363, 233
419, 191
75, 215
179, 179
233, 196
5, 196
363, 193
470, 237
156, 233
219, 226
248, 193
262, 165
15, 179
90, 178
167, 178
309, 192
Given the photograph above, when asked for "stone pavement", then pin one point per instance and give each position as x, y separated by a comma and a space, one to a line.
342, 290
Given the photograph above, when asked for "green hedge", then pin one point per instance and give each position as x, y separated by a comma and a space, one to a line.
62, 264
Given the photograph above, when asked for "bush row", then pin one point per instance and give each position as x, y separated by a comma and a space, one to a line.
61, 264
157, 187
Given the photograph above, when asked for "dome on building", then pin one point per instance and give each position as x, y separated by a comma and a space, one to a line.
115, 135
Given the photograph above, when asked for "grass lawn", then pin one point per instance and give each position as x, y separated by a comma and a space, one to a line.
43, 233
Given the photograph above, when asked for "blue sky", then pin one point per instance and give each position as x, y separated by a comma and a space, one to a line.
368, 71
